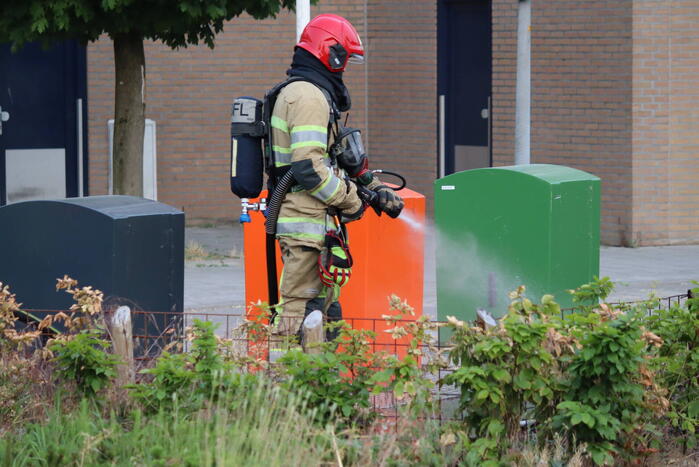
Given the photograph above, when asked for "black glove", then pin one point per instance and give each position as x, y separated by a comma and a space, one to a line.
382, 199
388, 201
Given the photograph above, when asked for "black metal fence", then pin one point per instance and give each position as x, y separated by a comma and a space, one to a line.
155, 331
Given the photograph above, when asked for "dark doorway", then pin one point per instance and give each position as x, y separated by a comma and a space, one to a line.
43, 95
464, 83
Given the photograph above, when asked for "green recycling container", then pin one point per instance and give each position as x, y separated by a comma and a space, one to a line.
498, 228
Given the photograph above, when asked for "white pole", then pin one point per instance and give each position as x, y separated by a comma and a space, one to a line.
303, 16
79, 109
523, 89
442, 145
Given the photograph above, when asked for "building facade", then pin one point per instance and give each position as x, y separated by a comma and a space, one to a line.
190, 92
613, 92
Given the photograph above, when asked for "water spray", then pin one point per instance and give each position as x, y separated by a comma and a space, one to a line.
411, 221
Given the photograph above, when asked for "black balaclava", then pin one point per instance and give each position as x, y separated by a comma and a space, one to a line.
304, 64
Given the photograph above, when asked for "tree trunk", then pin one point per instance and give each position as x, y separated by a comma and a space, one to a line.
129, 114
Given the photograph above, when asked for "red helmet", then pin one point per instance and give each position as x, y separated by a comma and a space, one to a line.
332, 40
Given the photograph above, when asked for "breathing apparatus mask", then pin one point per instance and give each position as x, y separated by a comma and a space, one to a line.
348, 151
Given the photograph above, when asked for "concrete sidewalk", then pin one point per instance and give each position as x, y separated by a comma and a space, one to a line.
638, 272
216, 283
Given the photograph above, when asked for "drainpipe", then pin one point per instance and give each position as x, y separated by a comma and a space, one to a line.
523, 89
303, 16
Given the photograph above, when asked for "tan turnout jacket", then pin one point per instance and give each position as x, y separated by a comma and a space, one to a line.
300, 139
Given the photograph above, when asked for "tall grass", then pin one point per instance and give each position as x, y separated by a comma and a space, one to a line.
263, 426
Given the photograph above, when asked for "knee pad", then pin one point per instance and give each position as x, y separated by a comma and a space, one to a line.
334, 314
314, 304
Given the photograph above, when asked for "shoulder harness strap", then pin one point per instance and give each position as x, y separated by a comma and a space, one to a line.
270, 100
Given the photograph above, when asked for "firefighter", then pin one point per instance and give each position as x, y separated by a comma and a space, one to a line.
305, 122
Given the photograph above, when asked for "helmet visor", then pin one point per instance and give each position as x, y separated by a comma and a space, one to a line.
356, 58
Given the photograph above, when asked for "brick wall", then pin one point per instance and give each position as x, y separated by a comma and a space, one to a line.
402, 69
613, 93
581, 98
189, 93
503, 80
665, 122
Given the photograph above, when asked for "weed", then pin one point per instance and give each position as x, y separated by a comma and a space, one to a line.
264, 427
11, 338
194, 251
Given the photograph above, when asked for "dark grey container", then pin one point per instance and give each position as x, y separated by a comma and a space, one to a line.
130, 248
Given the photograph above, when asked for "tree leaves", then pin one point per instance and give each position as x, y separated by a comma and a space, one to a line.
188, 22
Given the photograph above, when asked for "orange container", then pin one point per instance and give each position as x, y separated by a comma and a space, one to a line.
388, 259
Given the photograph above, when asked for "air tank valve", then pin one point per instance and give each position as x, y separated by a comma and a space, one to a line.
246, 205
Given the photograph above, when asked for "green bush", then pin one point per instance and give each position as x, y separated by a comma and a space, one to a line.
342, 376
83, 358
419, 442
594, 382
190, 380
604, 401
410, 378
585, 374
677, 366
505, 374
336, 379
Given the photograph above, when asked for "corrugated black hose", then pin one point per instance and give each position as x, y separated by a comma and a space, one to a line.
273, 207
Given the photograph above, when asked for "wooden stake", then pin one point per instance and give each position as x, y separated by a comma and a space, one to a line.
122, 339
313, 334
